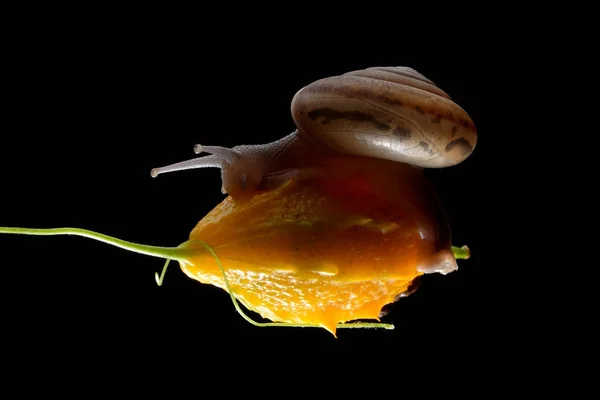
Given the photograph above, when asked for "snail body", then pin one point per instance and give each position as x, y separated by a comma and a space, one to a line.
391, 113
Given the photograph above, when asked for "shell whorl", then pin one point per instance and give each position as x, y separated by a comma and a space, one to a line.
392, 113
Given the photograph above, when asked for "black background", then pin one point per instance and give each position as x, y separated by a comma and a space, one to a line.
88, 111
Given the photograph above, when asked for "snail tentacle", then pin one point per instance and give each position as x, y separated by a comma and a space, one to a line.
229, 155
199, 162
242, 167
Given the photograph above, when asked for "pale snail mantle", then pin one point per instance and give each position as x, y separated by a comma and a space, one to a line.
339, 209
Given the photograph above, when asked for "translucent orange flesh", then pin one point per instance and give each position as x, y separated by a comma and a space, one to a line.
317, 252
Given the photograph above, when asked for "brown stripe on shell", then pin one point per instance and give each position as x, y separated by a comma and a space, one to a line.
367, 113
392, 94
460, 143
330, 114
406, 71
427, 148
402, 133
356, 87
407, 80
424, 145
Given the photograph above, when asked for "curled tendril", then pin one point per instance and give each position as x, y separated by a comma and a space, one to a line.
459, 252
371, 325
159, 280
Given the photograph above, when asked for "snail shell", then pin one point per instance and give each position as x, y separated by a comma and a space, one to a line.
392, 113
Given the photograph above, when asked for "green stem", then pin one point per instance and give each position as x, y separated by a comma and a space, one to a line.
172, 253
461, 253
179, 254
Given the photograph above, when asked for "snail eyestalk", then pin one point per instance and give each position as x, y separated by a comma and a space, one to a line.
199, 162
228, 155
220, 156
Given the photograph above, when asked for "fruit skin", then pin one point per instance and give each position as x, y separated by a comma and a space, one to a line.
324, 251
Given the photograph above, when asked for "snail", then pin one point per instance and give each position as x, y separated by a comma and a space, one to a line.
336, 220
393, 114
